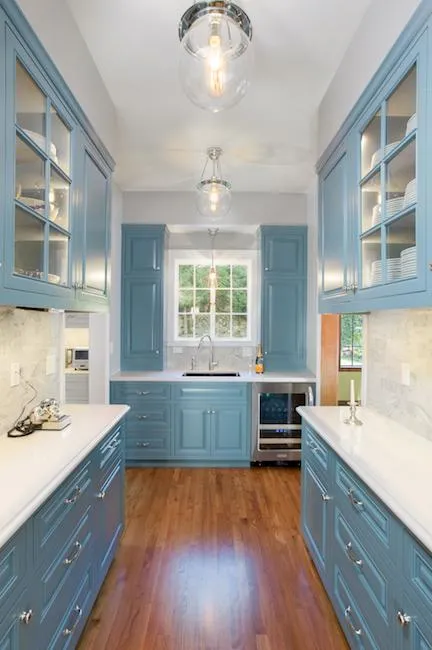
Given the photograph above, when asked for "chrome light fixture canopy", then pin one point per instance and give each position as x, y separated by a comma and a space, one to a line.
216, 54
213, 193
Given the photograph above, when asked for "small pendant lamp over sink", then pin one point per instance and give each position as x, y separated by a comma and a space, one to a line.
216, 54
213, 193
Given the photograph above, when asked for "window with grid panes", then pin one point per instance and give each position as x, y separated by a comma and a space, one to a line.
351, 341
223, 311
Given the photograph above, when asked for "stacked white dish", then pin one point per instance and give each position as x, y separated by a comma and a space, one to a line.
408, 259
40, 140
410, 193
394, 205
378, 155
393, 270
376, 214
411, 124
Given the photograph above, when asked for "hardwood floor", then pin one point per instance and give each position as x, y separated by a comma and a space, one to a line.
212, 559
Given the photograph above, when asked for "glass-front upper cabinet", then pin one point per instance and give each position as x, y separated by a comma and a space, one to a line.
42, 145
388, 185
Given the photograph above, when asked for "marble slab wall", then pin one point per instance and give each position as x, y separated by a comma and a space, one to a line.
27, 337
228, 357
395, 338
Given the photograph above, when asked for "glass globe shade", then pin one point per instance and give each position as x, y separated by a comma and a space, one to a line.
213, 198
215, 60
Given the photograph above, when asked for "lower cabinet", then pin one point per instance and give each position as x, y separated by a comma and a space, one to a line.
186, 423
52, 568
377, 575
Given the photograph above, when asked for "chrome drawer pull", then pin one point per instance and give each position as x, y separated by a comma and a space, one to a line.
143, 392
355, 502
70, 630
141, 417
347, 614
351, 555
75, 497
101, 495
403, 619
142, 444
325, 497
70, 560
25, 617
114, 444
312, 445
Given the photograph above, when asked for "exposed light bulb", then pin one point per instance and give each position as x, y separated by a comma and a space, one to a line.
216, 60
214, 198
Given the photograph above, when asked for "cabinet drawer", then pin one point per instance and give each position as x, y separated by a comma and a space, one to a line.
151, 445
351, 617
369, 581
137, 392
59, 580
365, 512
74, 614
418, 569
153, 413
56, 519
13, 565
315, 450
109, 450
210, 391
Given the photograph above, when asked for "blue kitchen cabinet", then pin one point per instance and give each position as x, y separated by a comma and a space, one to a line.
16, 628
283, 297
284, 250
315, 519
109, 517
91, 268
142, 298
55, 209
375, 236
230, 433
192, 431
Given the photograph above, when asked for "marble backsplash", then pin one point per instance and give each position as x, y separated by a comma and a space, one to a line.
395, 338
27, 337
228, 357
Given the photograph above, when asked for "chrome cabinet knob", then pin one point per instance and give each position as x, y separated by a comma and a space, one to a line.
25, 617
430, 266
101, 495
355, 502
348, 615
351, 555
325, 497
156, 351
403, 619
266, 268
142, 417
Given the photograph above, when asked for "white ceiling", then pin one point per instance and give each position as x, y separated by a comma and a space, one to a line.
268, 139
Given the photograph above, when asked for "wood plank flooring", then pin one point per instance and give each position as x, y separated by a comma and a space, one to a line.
213, 559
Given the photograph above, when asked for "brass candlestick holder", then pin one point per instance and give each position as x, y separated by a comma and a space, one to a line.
353, 419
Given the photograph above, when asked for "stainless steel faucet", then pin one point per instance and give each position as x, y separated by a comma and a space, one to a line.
212, 363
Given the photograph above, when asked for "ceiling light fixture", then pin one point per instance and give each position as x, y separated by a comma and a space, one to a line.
212, 279
216, 54
214, 193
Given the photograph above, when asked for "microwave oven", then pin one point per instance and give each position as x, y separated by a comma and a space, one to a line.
80, 358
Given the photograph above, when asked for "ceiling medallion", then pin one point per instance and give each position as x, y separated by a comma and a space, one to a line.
216, 54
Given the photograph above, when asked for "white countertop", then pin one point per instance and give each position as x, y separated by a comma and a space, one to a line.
177, 375
393, 461
32, 467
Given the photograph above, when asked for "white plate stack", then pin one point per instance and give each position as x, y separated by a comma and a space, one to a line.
411, 124
408, 262
380, 154
393, 270
410, 193
394, 205
376, 214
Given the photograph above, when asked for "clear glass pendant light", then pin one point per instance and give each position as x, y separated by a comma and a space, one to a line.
216, 54
213, 192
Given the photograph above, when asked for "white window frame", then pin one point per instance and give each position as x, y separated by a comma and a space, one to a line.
178, 257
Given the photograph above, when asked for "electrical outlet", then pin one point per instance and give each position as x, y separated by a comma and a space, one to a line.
15, 374
50, 364
405, 374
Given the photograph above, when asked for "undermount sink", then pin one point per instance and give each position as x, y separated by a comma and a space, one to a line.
194, 373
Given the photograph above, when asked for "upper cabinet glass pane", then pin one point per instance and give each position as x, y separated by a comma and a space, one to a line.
371, 144
371, 201
402, 109
60, 142
29, 244
401, 184
59, 200
30, 107
29, 177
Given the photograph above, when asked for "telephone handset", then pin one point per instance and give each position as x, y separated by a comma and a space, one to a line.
46, 415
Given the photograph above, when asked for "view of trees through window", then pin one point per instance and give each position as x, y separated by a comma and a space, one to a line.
351, 341
220, 311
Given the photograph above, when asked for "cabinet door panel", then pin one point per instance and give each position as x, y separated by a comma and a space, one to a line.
334, 208
96, 226
284, 250
192, 432
230, 438
110, 516
284, 324
142, 324
142, 249
14, 634
314, 516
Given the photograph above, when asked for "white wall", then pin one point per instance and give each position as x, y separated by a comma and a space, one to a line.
379, 29
56, 28
247, 208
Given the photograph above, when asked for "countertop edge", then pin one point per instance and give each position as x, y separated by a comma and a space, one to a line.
9, 530
245, 377
411, 523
